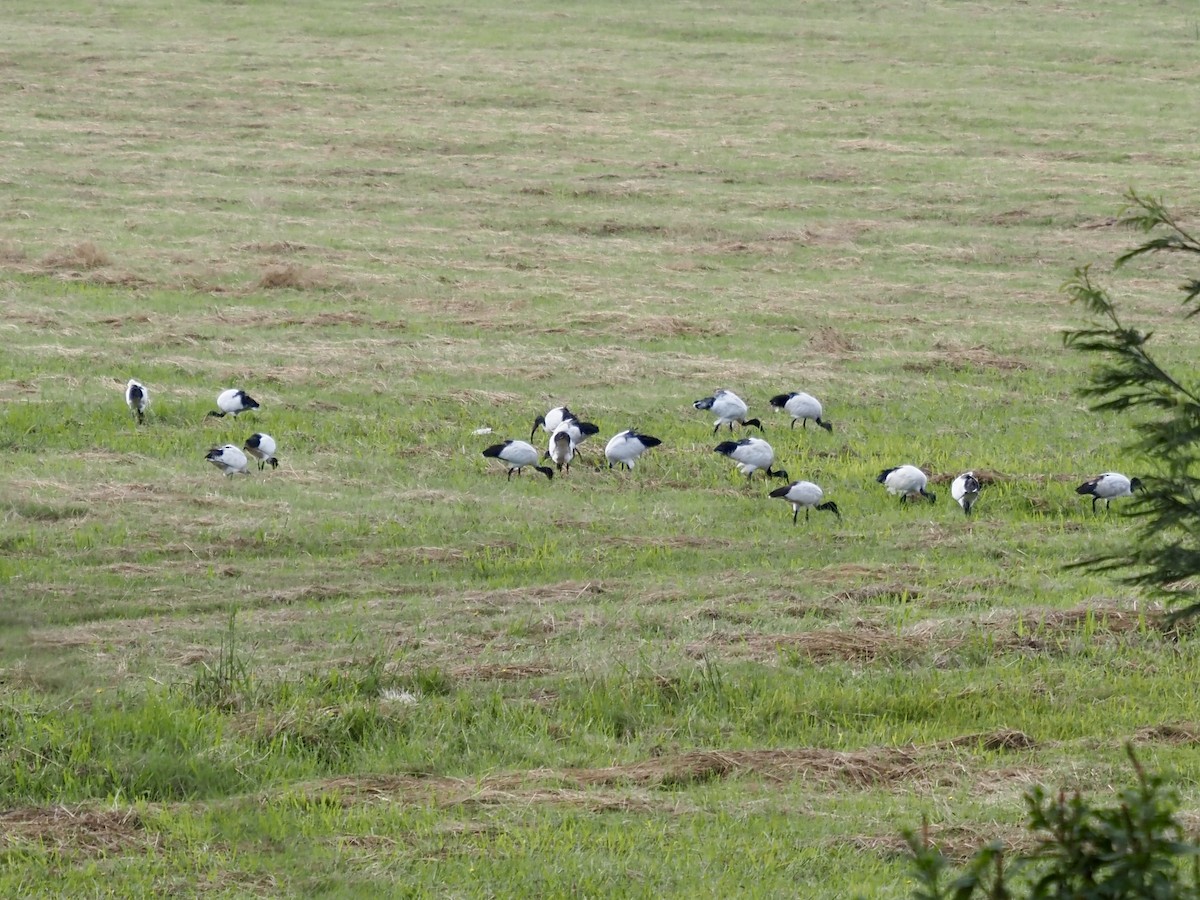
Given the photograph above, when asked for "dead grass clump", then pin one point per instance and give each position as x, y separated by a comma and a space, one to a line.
96, 832
860, 645
85, 256
831, 340
1184, 733
979, 357
861, 768
298, 278
499, 672
877, 593
1004, 739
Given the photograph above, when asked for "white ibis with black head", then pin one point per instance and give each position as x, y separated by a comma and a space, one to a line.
801, 407
751, 454
517, 455
229, 459
728, 407
626, 447
905, 480
807, 495
965, 491
137, 398
232, 402
1108, 487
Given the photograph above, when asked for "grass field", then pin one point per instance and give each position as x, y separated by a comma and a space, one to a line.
384, 669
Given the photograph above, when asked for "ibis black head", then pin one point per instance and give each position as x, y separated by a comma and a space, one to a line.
757, 424
1135, 484
216, 414
827, 426
539, 422
546, 470
777, 473
832, 507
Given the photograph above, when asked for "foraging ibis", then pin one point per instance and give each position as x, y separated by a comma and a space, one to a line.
233, 401
805, 494
517, 455
562, 448
905, 480
626, 447
137, 398
965, 491
578, 431
1108, 487
751, 454
551, 420
728, 407
229, 459
801, 407
262, 447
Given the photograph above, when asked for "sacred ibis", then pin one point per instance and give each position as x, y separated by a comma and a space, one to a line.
805, 494
728, 407
517, 455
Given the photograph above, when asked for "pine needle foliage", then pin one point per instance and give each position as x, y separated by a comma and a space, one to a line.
1166, 554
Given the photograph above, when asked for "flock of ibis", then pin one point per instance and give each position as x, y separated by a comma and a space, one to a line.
753, 454
567, 431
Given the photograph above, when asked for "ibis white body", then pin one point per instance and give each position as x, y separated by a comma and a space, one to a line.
728, 407
965, 491
229, 459
801, 407
517, 455
905, 480
233, 401
137, 398
262, 447
626, 447
562, 448
1108, 487
806, 495
750, 454
577, 431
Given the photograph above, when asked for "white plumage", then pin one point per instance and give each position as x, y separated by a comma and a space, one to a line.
905, 480
728, 407
229, 459
626, 447
576, 430
517, 455
801, 407
233, 401
137, 398
562, 447
965, 491
750, 454
805, 494
1108, 487
262, 447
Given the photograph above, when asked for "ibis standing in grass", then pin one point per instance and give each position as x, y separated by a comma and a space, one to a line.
801, 407
137, 398
517, 455
805, 494
626, 447
551, 420
728, 407
965, 491
561, 449
233, 401
262, 447
905, 480
751, 454
229, 459
1108, 487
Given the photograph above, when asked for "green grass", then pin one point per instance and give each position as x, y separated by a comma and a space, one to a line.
384, 669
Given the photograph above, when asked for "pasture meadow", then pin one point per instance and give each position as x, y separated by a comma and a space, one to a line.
384, 669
